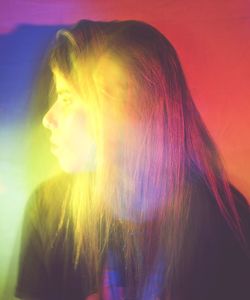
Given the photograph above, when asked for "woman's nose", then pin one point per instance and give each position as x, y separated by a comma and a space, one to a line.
49, 120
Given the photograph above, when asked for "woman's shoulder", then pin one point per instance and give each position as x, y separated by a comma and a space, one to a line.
208, 219
45, 203
220, 260
49, 192
201, 190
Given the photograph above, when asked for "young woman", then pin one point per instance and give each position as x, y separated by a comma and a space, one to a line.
143, 209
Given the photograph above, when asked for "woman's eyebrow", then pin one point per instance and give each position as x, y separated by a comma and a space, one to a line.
63, 91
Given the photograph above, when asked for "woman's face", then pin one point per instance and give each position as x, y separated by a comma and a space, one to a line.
68, 119
73, 118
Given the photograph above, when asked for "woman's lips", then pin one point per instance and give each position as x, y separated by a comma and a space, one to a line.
54, 146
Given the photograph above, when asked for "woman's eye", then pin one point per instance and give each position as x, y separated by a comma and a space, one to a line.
66, 99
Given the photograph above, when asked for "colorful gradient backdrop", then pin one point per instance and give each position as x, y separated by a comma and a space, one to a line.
213, 42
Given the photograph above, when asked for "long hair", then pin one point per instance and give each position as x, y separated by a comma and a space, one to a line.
102, 206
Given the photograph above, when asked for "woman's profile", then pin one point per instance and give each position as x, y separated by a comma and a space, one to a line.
143, 209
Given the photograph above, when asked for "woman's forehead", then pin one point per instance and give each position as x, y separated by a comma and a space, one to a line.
63, 84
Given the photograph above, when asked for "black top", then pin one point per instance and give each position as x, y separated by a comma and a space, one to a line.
219, 268
46, 267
